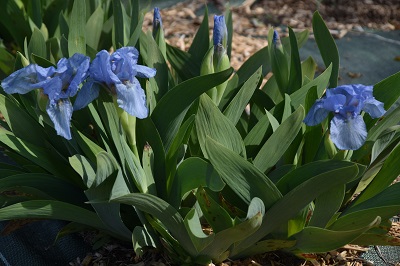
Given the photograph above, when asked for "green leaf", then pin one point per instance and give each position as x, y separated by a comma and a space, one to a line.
14, 19
148, 135
216, 216
64, 33
106, 165
299, 96
272, 90
295, 76
192, 173
219, 249
309, 239
279, 64
34, 10
89, 148
201, 41
242, 176
295, 200
267, 246
118, 27
387, 174
229, 26
170, 111
6, 62
384, 92
55, 187
313, 135
134, 37
141, 240
301, 37
279, 141
259, 59
218, 127
50, 14
181, 138
43, 62
272, 121
77, 34
164, 212
199, 239
369, 239
303, 173
37, 44
109, 212
45, 158
84, 168
388, 121
94, 27
308, 68
19, 121
326, 205
327, 47
51, 209
236, 107
154, 58
287, 109
183, 63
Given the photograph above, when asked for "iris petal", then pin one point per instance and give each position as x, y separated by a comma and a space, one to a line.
317, 114
334, 103
132, 99
89, 91
220, 31
60, 113
348, 134
80, 65
145, 72
25, 79
374, 108
52, 88
100, 69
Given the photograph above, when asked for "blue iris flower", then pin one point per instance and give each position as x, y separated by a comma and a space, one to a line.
347, 128
117, 72
58, 85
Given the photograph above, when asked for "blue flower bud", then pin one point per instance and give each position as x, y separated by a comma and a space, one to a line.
220, 34
157, 21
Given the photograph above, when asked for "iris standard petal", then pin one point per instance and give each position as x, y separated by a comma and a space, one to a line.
89, 92
80, 66
100, 69
334, 102
123, 63
374, 108
316, 114
348, 134
346, 90
132, 99
144, 71
363, 92
60, 113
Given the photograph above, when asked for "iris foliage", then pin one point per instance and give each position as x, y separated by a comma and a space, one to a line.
112, 128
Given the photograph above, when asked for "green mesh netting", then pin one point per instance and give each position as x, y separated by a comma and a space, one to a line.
33, 244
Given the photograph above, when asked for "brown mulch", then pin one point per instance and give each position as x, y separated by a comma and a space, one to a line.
252, 21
